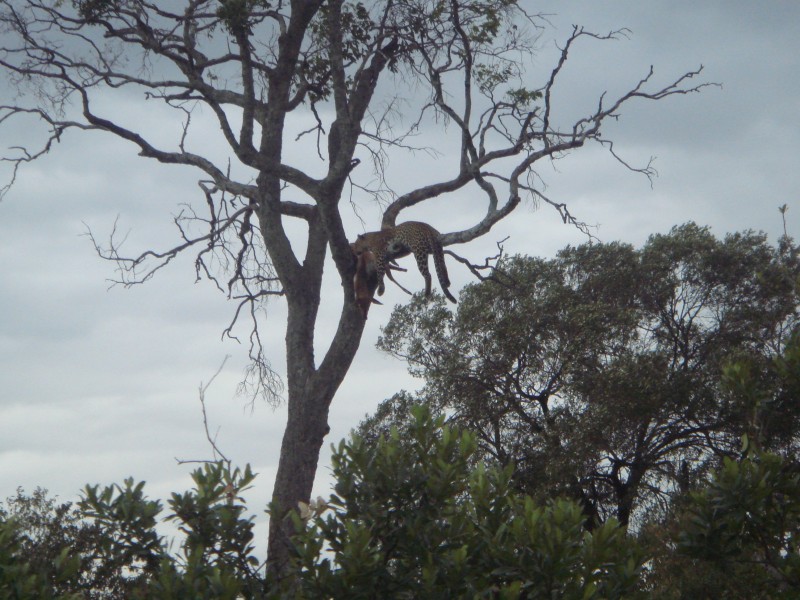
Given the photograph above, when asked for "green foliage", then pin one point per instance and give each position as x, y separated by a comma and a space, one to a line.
216, 559
489, 77
748, 519
763, 396
128, 519
237, 15
414, 519
108, 546
736, 536
21, 577
43, 548
418, 523
523, 98
93, 10
357, 31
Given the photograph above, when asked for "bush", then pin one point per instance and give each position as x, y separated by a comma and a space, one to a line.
415, 520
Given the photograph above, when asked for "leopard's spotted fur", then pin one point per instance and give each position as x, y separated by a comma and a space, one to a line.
411, 237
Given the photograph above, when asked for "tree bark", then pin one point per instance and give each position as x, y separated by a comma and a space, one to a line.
310, 392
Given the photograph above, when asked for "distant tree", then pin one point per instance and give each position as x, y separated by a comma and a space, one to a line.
333, 74
597, 373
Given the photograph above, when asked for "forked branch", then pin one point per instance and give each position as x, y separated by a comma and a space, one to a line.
522, 126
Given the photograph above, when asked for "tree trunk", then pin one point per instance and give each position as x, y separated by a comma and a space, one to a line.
627, 493
306, 427
310, 392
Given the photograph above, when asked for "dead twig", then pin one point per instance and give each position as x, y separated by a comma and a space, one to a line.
212, 440
489, 264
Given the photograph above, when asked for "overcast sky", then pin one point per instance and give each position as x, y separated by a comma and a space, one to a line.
99, 384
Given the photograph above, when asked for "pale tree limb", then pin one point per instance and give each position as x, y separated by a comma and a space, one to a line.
217, 454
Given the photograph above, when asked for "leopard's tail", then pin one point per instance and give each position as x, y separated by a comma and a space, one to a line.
441, 271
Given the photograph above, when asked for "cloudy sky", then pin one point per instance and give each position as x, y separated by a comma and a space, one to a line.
99, 384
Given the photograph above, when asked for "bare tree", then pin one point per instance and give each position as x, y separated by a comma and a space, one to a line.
255, 63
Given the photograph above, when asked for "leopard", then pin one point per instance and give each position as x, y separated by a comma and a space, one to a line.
411, 237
